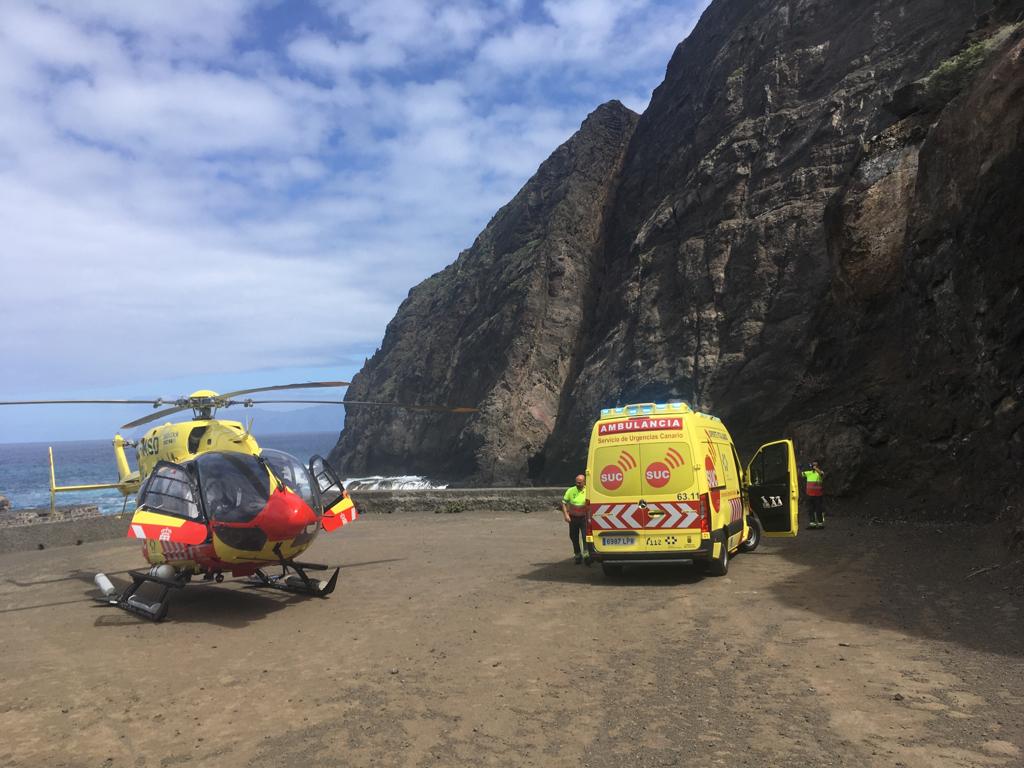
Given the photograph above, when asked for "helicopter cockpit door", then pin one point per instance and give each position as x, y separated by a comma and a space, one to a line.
337, 508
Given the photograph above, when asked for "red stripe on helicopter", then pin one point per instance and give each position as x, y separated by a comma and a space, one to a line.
178, 532
340, 514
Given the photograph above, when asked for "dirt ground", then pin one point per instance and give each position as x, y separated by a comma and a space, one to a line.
472, 639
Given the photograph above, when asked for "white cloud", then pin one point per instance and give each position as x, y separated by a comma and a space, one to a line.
597, 37
319, 54
387, 34
114, 291
190, 113
443, 26
202, 183
51, 40
197, 28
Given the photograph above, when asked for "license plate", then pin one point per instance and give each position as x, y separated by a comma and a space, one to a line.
618, 541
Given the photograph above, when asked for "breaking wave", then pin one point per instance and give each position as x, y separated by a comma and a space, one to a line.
396, 483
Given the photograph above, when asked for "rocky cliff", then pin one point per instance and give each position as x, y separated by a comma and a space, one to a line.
500, 328
814, 230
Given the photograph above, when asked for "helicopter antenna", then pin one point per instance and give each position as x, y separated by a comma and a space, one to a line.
248, 431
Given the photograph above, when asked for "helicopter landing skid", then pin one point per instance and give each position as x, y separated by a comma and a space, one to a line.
298, 582
154, 610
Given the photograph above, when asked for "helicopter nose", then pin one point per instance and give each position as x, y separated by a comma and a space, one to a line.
285, 516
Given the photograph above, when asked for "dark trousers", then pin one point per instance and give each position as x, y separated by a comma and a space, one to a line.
816, 508
577, 532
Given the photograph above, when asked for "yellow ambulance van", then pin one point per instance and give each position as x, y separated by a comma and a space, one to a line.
665, 485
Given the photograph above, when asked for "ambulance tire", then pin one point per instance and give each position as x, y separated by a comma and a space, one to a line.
611, 570
754, 537
720, 565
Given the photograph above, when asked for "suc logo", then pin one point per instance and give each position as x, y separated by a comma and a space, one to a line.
657, 474
611, 477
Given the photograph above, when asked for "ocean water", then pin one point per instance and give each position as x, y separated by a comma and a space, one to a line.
25, 467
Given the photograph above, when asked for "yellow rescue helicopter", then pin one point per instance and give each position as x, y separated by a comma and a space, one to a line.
210, 501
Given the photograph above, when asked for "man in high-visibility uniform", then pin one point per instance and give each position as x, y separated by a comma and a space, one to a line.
814, 479
574, 510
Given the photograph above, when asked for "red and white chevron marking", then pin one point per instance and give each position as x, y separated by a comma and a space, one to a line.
610, 517
616, 516
677, 515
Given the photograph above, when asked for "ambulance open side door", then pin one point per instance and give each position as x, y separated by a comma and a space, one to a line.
773, 488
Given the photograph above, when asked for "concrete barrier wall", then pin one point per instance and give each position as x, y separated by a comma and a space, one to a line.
459, 500
17, 538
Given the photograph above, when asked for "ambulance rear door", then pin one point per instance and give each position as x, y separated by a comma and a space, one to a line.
773, 489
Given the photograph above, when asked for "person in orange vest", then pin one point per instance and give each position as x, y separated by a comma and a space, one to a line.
814, 491
574, 510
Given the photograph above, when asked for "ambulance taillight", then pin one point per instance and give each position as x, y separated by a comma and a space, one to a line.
705, 514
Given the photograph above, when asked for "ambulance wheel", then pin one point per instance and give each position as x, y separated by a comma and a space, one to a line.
753, 536
611, 570
720, 565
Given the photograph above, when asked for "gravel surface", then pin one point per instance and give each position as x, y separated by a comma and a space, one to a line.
472, 639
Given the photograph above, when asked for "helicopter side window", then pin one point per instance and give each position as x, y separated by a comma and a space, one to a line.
235, 486
292, 474
169, 489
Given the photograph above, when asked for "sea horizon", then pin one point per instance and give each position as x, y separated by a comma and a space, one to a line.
25, 467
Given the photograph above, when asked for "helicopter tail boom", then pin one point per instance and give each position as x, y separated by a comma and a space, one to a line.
127, 485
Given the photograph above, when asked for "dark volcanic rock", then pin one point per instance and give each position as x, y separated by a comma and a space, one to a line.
816, 232
718, 259
497, 329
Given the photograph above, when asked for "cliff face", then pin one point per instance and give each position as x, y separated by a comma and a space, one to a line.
815, 232
499, 328
918, 378
718, 259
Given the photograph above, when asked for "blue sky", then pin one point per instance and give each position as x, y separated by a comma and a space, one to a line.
231, 193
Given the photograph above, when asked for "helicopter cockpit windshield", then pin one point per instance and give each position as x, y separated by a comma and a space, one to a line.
235, 486
291, 472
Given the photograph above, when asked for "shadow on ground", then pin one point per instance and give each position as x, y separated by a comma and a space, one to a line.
920, 580
232, 606
635, 575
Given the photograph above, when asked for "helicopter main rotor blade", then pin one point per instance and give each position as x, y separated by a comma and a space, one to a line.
307, 385
154, 416
407, 406
224, 400
73, 402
